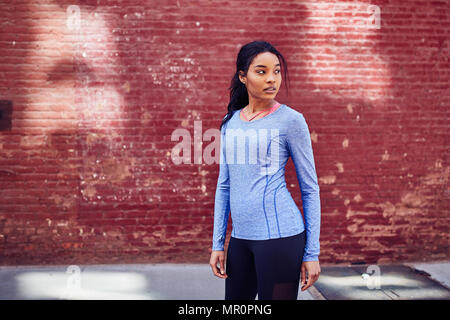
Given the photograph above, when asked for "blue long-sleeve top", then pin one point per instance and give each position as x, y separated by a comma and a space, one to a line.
251, 182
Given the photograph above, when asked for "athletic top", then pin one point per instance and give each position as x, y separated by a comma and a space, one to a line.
270, 111
251, 182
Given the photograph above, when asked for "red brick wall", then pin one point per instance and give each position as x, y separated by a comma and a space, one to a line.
86, 174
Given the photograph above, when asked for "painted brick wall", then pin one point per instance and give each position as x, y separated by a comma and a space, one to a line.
91, 92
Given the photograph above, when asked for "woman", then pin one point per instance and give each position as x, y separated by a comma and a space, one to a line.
270, 245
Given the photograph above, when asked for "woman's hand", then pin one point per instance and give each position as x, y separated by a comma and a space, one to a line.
218, 256
310, 273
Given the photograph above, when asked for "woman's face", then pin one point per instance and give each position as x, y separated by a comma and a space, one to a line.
264, 72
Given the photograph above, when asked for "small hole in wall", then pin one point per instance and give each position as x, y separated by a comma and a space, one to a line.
6, 107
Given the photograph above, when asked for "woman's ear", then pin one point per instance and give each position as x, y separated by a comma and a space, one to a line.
242, 77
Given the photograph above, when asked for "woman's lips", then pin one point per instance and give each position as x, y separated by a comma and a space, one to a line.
270, 90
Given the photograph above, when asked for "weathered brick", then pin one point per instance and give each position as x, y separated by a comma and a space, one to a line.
86, 173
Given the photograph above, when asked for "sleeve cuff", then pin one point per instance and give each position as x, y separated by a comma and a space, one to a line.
310, 257
218, 248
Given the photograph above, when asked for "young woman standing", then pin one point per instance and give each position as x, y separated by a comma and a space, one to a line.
270, 247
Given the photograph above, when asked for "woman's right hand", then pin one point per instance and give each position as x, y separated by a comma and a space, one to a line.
218, 257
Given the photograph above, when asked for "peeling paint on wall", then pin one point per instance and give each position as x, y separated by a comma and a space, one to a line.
328, 179
314, 137
357, 198
67, 201
345, 143
340, 167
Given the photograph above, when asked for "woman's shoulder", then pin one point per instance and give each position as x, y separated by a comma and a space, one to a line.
231, 117
293, 116
233, 112
293, 112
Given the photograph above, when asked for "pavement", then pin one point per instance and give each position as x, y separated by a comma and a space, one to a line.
196, 282
412, 281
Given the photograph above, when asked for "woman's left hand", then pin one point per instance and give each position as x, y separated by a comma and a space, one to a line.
310, 272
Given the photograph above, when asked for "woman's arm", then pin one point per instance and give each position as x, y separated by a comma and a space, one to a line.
222, 200
221, 213
300, 147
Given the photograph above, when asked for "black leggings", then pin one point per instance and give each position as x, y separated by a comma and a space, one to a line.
269, 268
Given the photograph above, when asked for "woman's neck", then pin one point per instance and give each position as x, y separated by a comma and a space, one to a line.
253, 107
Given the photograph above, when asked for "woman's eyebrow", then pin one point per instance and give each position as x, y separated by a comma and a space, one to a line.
263, 66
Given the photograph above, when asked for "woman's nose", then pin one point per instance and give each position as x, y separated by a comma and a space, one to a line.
270, 78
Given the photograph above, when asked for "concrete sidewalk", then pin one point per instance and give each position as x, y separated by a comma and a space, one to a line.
196, 282
410, 281
106, 282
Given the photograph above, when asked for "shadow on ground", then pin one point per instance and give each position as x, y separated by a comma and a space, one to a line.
105, 282
382, 282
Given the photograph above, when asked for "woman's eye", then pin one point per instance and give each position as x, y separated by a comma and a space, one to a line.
262, 71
